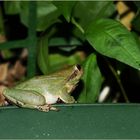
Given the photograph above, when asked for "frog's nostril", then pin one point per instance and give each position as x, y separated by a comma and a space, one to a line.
78, 67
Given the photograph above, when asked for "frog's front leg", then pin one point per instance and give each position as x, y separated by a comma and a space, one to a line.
66, 97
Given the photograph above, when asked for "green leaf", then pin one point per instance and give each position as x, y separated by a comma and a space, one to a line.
47, 14
87, 11
92, 79
112, 39
43, 56
65, 8
59, 61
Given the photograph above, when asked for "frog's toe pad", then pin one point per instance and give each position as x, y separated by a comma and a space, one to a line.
47, 108
54, 108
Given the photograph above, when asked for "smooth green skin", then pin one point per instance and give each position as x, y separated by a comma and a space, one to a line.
42, 91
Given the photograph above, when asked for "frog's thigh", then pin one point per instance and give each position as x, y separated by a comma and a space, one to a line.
65, 97
25, 98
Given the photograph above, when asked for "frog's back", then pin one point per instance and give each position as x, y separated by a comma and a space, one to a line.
42, 84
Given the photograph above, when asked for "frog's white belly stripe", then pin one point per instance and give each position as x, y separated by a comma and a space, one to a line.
50, 99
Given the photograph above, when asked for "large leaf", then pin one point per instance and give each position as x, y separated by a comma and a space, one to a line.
86, 11
47, 14
92, 80
112, 39
65, 8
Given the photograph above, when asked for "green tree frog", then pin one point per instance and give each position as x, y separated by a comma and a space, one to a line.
42, 91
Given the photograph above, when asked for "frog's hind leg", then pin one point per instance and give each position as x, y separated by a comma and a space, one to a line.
28, 99
44, 108
25, 98
19, 103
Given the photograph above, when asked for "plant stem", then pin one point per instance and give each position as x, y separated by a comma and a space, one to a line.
119, 82
77, 25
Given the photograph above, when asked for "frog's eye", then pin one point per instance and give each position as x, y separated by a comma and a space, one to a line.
78, 67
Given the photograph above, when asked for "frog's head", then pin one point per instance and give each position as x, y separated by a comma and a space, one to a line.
74, 77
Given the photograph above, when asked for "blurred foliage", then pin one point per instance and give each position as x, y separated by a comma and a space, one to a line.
91, 33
